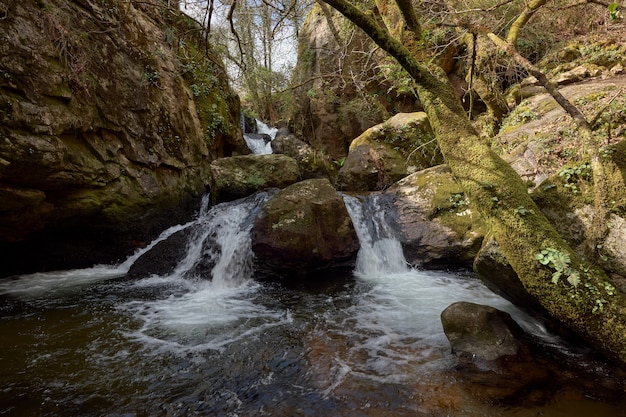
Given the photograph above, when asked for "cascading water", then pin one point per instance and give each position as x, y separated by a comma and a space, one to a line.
206, 339
260, 142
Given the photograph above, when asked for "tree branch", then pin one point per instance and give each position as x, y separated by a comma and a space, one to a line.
379, 35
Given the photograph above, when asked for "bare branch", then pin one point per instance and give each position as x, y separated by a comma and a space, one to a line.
229, 17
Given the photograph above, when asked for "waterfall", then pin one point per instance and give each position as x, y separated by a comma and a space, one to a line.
401, 301
380, 252
264, 129
220, 237
223, 239
260, 141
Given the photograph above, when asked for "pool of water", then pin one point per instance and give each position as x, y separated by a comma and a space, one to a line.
165, 346
96, 342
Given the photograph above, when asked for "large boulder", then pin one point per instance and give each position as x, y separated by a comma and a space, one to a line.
303, 230
481, 333
370, 166
240, 176
389, 151
108, 122
312, 163
433, 220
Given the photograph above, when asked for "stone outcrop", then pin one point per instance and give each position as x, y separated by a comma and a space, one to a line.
107, 128
389, 151
240, 176
433, 220
312, 163
304, 229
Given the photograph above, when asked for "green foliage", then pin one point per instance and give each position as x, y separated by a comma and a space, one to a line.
522, 114
458, 201
522, 211
560, 263
614, 12
571, 175
340, 161
150, 76
215, 125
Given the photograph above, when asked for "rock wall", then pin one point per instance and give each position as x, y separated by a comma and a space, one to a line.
110, 114
343, 88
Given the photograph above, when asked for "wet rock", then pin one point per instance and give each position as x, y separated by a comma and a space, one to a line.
494, 354
312, 163
305, 228
479, 333
240, 176
433, 221
163, 258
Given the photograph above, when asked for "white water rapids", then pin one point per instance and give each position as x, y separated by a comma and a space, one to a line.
185, 342
256, 142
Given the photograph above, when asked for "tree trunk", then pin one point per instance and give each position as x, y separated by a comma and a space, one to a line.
497, 192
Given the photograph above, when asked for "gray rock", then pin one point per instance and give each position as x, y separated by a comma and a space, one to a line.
240, 176
478, 332
304, 229
433, 220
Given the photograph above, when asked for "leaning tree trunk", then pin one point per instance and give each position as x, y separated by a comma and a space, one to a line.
497, 192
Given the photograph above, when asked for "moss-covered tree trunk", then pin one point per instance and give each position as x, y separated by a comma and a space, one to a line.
498, 193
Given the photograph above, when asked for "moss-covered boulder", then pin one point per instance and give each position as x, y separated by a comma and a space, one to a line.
312, 163
303, 230
241, 176
370, 166
433, 219
389, 151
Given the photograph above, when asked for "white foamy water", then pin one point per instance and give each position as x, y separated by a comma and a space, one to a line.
55, 283
208, 314
203, 316
396, 318
256, 143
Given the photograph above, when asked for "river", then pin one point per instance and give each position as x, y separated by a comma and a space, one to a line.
95, 342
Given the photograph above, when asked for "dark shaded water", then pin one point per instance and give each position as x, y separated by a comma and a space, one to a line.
95, 343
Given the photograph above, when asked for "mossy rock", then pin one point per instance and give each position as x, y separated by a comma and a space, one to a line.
302, 230
241, 176
433, 219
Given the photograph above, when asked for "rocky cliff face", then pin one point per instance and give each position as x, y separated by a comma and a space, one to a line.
345, 84
110, 114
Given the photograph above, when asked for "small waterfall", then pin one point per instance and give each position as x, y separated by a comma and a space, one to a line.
407, 300
223, 240
264, 129
260, 141
380, 253
220, 237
